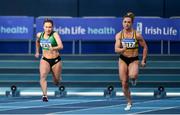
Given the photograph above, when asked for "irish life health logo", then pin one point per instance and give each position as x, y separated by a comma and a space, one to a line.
139, 27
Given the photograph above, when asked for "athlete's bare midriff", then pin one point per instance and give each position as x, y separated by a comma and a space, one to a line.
130, 53
49, 54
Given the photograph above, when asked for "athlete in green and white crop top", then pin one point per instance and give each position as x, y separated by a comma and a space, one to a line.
51, 44
46, 43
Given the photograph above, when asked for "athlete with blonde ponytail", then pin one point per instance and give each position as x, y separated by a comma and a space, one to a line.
127, 44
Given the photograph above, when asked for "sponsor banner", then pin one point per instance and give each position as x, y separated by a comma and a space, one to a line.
84, 28
106, 28
157, 28
16, 27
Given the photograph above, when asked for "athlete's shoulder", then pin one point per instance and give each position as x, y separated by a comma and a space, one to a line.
54, 32
119, 32
38, 35
118, 35
138, 35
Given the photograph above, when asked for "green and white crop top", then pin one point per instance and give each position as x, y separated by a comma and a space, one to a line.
46, 43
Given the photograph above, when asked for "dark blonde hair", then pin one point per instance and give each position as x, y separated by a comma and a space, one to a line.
129, 15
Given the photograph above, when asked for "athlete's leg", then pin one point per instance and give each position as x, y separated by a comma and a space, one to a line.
123, 72
133, 71
44, 70
56, 71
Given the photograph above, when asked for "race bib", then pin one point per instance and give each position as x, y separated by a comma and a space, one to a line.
128, 43
45, 43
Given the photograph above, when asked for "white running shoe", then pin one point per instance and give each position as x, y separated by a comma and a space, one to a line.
128, 107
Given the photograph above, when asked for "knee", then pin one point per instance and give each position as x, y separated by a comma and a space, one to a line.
56, 82
56, 78
42, 79
133, 75
125, 85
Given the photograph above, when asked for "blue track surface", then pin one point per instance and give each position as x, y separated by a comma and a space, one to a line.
88, 105
89, 73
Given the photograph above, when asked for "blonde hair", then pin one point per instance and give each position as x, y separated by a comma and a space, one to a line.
130, 15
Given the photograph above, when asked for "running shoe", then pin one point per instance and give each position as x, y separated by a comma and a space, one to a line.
44, 98
128, 107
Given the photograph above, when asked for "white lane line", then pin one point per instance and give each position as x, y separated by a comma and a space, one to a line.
157, 109
45, 104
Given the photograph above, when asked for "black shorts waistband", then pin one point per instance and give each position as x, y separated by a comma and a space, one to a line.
129, 60
52, 61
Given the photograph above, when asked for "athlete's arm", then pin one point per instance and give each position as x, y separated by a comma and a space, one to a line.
37, 44
59, 42
118, 46
145, 48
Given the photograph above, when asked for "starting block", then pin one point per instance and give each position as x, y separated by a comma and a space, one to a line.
13, 93
160, 92
61, 92
109, 92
